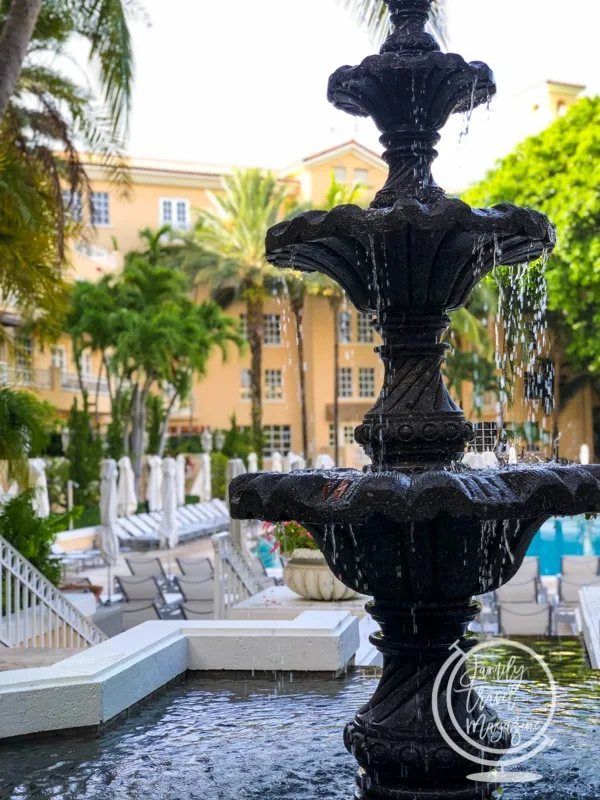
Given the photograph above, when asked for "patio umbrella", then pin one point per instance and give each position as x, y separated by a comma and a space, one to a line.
39, 483
277, 462
108, 541
324, 461
154, 487
180, 463
235, 467
126, 497
252, 462
168, 529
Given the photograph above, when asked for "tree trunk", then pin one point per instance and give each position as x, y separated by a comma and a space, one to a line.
14, 41
165, 426
255, 340
139, 427
298, 312
335, 307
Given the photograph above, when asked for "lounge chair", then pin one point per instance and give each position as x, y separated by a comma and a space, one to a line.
198, 569
135, 589
135, 614
576, 572
525, 586
197, 610
147, 568
524, 619
195, 590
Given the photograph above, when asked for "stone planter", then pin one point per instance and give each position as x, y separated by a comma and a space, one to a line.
307, 574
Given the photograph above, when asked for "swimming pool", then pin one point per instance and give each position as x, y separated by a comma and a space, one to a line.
567, 536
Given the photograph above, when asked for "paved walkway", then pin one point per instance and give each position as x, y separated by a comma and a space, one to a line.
199, 548
25, 657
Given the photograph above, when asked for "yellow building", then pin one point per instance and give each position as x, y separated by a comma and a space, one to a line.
171, 193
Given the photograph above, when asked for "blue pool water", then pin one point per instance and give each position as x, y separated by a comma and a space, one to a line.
567, 536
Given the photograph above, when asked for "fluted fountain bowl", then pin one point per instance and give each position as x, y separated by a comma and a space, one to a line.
431, 537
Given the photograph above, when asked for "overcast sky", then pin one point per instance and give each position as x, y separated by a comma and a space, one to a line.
244, 81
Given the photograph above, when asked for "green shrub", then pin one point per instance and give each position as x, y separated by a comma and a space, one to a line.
218, 470
84, 454
32, 536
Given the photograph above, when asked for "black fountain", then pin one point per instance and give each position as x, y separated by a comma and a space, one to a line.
417, 531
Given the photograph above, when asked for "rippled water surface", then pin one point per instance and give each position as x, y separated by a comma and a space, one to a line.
280, 740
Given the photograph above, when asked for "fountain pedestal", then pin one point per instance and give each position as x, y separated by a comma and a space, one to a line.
395, 737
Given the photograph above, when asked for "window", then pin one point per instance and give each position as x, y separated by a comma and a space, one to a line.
59, 358
486, 434
276, 439
86, 365
175, 211
345, 382
361, 176
245, 391
24, 356
345, 327
73, 204
100, 208
366, 382
364, 329
273, 384
244, 325
272, 328
346, 435
339, 174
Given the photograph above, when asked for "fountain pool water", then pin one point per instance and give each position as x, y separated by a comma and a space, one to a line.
254, 739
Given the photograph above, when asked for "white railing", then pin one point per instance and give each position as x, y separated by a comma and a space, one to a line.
234, 579
24, 376
71, 383
33, 613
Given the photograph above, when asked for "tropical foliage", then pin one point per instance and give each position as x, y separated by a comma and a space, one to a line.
151, 338
25, 424
558, 172
231, 237
373, 15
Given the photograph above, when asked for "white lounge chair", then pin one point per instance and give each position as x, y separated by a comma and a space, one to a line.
135, 614
524, 587
524, 619
198, 569
195, 590
197, 610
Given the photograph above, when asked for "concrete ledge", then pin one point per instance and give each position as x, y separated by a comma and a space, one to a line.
93, 687
589, 598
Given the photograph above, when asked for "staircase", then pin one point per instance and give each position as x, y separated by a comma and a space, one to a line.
33, 613
234, 579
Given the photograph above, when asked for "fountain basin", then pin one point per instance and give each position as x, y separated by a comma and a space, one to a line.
308, 575
424, 537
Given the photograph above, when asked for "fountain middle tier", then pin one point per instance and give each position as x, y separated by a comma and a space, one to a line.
435, 536
424, 258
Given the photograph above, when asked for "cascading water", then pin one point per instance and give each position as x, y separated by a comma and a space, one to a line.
417, 531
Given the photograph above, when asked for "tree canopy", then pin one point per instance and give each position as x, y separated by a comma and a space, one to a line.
558, 173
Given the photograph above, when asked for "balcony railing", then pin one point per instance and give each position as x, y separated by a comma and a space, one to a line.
24, 376
70, 382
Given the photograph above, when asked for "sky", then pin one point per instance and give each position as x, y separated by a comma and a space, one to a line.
244, 81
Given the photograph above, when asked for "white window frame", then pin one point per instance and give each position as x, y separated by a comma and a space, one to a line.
274, 385
173, 222
364, 330
366, 382
486, 435
245, 385
276, 438
340, 174
272, 330
345, 327
105, 207
345, 383
73, 209
58, 358
87, 370
346, 437
364, 173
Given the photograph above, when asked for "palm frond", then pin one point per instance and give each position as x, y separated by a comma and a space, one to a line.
373, 16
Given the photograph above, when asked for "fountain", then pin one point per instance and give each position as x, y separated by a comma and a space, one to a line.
417, 531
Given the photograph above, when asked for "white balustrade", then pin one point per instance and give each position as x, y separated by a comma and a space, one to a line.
234, 579
33, 613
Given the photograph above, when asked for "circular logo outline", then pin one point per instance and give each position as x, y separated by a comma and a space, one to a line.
460, 656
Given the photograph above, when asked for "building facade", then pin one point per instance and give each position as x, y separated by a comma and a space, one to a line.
171, 193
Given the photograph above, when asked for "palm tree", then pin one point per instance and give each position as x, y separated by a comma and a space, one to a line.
233, 232
27, 24
299, 286
374, 16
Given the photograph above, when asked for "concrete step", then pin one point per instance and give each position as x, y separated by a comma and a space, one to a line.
24, 657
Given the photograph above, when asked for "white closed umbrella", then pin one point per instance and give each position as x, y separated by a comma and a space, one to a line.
490, 460
324, 461
206, 479
299, 463
235, 467
108, 540
584, 454
276, 462
154, 487
252, 462
168, 530
39, 483
180, 475
512, 455
126, 497
469, 459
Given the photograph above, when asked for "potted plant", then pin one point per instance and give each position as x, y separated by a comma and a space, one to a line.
306, 572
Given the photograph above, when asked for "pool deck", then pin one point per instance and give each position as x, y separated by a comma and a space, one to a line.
590, 616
